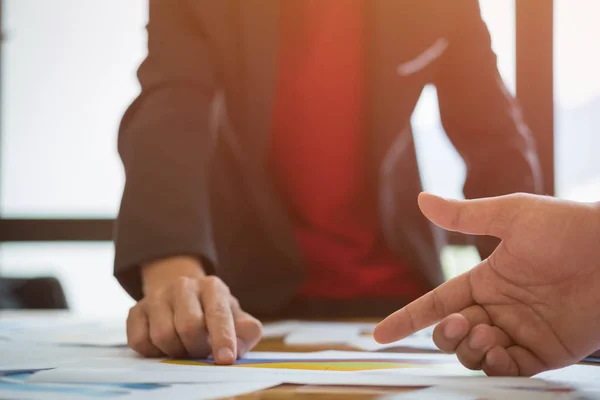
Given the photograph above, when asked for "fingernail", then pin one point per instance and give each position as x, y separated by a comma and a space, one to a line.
452, 331
225, 355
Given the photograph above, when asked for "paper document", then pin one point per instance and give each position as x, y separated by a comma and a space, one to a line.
321, 337
579, 375
420, 340
356, 335
183, 375
20, 356
256, 365
284, 328
16, 386
319, 368
62, 328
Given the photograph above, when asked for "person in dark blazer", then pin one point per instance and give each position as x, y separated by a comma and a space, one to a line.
271, 169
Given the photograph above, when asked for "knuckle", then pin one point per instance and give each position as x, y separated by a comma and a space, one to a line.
438, 305
213, 282
183, 283
156, 297
412, 321
133, 312
137, 341
162, 335
219, 309
156, 301
189, 326
456, 218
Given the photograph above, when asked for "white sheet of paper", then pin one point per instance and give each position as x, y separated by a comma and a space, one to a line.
29, 356
24, 390
369, 344
579, 375
62, 328
147, 370
300, 377
321, 336
132, 360
279, 329
298, 333
101, 335
284, 328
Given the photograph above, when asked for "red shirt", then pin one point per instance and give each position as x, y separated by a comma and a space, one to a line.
318, 154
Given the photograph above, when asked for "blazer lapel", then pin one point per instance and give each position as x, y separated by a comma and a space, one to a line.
405, 38
260, 41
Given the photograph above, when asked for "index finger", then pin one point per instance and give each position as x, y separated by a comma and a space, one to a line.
219, 320
448, 298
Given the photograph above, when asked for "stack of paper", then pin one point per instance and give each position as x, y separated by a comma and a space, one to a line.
37, 361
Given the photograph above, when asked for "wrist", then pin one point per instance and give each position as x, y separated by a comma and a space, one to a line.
160, 273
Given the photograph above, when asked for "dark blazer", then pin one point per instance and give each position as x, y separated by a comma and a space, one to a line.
193, 143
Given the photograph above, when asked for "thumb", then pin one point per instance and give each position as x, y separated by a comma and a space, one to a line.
489, 216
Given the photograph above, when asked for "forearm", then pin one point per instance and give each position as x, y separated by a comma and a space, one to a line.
165, 147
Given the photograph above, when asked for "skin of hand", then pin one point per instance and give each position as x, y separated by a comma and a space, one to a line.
533, 305
185, 313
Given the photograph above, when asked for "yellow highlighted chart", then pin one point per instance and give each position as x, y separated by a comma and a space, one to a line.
321, 365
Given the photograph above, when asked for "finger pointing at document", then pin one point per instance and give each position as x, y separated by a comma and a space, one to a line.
533, 305
185, 313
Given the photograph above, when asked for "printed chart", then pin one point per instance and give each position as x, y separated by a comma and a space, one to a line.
324, 364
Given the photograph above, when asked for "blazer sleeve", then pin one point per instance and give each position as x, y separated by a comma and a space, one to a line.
481, 118
165, 146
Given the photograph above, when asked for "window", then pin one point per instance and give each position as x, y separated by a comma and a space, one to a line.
84, 270
442, 169
577, 99
68, 74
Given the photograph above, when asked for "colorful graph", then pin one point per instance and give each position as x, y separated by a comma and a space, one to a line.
322, 364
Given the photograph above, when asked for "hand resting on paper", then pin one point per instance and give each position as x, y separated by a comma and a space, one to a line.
533, 305
187, 314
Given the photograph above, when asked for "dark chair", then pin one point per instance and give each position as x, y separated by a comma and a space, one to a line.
40, 293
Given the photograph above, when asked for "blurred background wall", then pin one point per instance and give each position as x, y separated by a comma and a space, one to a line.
68, 73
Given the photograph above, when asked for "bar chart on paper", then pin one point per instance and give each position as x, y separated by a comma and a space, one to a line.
330, 362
